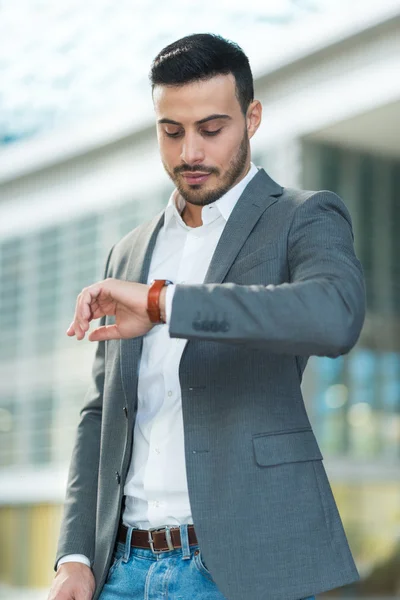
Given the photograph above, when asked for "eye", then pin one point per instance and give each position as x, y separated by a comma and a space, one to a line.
174, 134
211, 133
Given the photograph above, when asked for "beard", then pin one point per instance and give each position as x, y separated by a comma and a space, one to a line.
194, 194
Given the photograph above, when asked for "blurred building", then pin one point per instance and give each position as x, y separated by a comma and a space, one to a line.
331, 116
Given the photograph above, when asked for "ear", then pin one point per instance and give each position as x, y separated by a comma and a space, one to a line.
253, 117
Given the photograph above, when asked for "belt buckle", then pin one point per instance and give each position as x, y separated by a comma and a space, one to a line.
167, 536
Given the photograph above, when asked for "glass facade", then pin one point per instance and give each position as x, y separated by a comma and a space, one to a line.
41, 275
354, 400
356, 404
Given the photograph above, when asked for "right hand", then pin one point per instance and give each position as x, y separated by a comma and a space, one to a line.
73, 581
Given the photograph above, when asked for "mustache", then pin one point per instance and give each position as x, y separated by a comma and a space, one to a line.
195, 169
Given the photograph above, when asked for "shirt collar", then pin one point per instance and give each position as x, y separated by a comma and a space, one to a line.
223, 205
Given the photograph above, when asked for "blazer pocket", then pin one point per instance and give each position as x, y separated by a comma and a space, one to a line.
266, 252
285, 447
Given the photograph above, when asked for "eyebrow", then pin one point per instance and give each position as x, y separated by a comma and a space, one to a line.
205, 120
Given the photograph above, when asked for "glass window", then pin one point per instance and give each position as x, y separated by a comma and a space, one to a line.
7, 431
329, 403
363, 411
395, 235
366, 216
389, 409
41, 409
48, 282
11, 295
49, 273
356, 402
330, 168
85, 252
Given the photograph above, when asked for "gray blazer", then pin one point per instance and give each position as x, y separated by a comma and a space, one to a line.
283, 284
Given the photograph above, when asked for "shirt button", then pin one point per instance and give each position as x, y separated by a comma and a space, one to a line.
157, 450
156, 503
169, 393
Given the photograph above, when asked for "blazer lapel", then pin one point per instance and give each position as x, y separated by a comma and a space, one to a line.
137, 269
258, 195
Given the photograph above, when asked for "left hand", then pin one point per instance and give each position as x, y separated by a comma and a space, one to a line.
126, 300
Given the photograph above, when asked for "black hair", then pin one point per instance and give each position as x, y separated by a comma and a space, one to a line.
199, 57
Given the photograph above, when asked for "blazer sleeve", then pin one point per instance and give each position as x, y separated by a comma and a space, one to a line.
77, 533
319, 311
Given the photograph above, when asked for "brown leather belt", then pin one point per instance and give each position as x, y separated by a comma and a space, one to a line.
159, 539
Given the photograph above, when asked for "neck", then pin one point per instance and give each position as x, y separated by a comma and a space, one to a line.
191, 214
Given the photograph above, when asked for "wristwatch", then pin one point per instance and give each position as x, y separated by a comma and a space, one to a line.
153, 299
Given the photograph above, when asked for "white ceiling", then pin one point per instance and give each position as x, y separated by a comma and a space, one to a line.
376, 131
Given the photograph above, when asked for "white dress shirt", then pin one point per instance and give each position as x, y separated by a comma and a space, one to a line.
156, 484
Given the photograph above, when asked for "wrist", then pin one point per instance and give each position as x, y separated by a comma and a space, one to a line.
156, 300
163, 294
73, 564
73, 558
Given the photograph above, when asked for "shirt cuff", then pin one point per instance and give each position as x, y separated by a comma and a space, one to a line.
74, 558
168, 302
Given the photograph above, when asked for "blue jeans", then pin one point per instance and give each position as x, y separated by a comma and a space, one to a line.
140, 574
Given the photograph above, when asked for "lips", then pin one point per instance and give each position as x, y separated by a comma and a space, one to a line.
195, 178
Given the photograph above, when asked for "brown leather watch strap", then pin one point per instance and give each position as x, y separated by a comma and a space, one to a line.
153, 299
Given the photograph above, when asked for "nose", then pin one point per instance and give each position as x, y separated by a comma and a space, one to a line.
192, 150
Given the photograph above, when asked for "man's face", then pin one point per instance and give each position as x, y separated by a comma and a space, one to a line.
203, 137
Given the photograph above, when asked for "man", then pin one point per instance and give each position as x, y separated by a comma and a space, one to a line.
195, 472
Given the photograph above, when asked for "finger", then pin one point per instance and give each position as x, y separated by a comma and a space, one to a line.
83, 309
79, 332
88, 302
75, 329
107, 332
83, 313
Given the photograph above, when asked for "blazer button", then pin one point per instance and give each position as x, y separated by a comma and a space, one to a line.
117, 477
196, 325
214, 326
